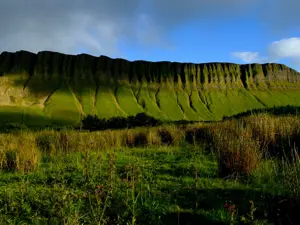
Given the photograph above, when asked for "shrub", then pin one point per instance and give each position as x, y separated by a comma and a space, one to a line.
140, 139
170, 135
93, 123
198, 135
165, 137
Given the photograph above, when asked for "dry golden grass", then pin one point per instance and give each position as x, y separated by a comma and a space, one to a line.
19, 152
240, 143
278, 134
239, 152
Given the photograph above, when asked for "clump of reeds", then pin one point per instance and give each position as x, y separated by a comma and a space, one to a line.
279, 134
171, 135
19, 153
239, 152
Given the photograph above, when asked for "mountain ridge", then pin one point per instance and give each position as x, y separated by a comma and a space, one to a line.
63, 87
5, 53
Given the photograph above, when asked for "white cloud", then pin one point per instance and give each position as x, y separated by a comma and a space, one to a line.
288, 49
285, 48
248, 57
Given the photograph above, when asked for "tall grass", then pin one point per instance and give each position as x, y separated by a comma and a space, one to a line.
239, 153
19, 152
240, 143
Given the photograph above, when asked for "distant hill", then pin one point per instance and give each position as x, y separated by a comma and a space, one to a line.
48, 87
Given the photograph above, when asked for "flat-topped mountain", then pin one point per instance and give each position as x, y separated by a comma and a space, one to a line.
38, 89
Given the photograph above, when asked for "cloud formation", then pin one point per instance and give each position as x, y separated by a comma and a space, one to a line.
284, 49
62, 26
288, 49
248, 57
98, 26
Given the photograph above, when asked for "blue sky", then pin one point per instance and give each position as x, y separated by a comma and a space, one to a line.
240, 31
203, 40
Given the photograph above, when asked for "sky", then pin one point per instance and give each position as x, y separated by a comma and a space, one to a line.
198, 31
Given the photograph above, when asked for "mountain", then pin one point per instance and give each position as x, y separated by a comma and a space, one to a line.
39, 89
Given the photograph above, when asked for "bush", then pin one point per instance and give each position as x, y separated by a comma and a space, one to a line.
165, 137
93, 123
133, 139
140, 139
198, 135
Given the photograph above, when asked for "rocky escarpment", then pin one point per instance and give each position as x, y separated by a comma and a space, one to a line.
62, 88
51, 65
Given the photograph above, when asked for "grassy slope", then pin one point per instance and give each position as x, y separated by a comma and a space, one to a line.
230, 102
83, 94
167, 100
165, 103
184, 101
201, 107
35, 116
61, 106
272, 98
149, 105
127, 101
106, 103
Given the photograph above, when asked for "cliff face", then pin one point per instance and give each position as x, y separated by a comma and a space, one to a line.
59, 87
68, 67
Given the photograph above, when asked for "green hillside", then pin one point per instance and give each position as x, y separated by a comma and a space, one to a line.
48, 87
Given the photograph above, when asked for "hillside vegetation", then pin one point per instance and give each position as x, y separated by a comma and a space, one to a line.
48, 87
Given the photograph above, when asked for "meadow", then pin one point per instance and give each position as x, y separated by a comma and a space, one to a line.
239, 171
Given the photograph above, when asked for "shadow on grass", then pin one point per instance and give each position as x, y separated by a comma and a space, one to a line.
275, 209
187, 218
11, 121
276, 111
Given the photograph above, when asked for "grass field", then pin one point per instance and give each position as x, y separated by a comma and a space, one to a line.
240, 171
